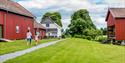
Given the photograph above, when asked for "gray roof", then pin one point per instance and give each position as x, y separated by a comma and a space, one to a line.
38, 25
14, 7
47, 20
118, 12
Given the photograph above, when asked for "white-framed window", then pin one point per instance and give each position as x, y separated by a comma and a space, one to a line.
17, 29
47, 25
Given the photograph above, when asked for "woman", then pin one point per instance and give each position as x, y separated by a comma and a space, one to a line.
29, 37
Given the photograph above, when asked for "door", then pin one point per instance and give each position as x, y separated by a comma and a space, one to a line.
1, 32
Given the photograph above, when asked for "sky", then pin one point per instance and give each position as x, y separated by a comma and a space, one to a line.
97, 8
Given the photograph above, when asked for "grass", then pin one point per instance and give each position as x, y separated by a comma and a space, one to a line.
8, 47
75, 51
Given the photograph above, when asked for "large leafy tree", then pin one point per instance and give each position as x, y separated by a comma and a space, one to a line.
55, 16
83, 14
104, 31
81, 23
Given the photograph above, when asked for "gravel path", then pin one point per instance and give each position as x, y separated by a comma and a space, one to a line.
19, 53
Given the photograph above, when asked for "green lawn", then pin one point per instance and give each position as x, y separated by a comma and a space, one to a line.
75, 51
8, 47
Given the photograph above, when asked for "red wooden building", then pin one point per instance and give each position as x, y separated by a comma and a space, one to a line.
40, 29
15, 20
116, 23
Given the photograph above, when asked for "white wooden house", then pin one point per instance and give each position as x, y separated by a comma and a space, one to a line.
52, 29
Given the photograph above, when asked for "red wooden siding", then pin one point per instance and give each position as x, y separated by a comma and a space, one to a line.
42, 32
1, 17
10, 21
120, 29
110, 20
116, 20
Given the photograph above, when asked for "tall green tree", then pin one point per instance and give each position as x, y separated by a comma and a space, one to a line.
104, 31
84, 15
80, 21
55, 16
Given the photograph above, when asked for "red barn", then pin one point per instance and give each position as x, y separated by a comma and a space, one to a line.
40, 29
116, 23
15, 20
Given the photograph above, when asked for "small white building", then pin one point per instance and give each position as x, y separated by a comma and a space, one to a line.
52, 29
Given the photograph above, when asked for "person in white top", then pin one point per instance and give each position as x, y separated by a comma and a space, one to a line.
29, 37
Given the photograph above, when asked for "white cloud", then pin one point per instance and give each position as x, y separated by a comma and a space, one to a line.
115, 3
66, 4
100, 22
97, 11
38, 3
65, 22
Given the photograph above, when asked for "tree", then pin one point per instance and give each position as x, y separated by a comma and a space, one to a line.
55, 16
78, 26
104, 31
80, 21
84, 15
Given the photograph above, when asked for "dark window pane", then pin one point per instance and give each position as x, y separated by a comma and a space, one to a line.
47, 25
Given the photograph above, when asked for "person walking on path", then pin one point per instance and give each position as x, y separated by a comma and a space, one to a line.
37, 38
29, 37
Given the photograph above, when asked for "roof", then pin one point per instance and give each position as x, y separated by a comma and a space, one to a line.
14, 7
49, 20
38, 25
116, 12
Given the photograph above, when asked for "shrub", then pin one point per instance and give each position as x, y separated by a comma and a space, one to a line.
101, 38
77, 36
83, 36
88, 37
63, 36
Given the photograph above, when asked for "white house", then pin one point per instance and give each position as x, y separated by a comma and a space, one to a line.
52, 29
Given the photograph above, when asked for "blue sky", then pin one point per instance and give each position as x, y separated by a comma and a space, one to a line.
96, 8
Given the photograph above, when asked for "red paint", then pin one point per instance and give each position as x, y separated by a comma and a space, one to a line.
120, 29
119, 25
110, 20
1, 17
13, 14
42, 32
10, 21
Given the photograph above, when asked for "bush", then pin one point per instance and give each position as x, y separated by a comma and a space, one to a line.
83, 36
77, 36
101, 38
63, 36
88, 37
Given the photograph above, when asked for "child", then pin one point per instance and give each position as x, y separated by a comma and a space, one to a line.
36, 39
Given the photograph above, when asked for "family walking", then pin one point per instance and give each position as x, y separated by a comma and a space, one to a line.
29, 37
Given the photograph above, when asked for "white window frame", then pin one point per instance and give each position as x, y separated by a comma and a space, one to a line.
17, 29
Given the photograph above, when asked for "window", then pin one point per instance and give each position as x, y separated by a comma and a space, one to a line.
56, 30
17, 29
47, 25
